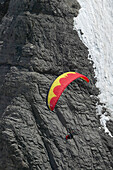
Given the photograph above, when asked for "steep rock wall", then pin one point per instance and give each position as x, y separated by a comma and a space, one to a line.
37, 43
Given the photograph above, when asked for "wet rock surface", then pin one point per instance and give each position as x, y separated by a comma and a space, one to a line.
38, 43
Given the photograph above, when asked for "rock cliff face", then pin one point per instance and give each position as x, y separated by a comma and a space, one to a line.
38, 43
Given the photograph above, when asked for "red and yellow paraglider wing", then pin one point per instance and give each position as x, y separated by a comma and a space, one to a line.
59, 85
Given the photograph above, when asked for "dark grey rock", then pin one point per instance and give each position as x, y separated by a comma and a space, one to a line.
38, 43
4, 4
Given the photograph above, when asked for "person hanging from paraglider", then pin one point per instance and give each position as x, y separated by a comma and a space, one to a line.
70, 134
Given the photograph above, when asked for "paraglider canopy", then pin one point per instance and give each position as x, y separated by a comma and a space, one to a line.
59, 85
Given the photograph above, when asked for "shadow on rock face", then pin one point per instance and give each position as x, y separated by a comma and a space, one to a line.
3, 8
56, 8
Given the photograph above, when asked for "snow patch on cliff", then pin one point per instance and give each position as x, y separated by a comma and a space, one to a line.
95, 22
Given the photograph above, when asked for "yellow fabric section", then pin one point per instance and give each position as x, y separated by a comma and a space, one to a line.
56, 83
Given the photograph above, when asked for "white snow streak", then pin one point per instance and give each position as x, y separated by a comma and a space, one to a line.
104, 118
95, 20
